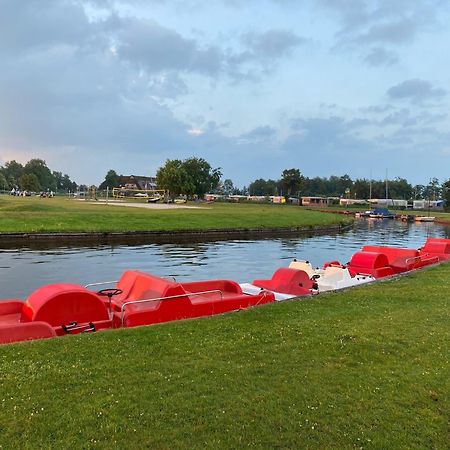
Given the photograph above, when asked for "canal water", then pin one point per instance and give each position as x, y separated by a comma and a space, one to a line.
23, 270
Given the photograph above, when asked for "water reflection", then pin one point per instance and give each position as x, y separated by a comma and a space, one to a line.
23, 270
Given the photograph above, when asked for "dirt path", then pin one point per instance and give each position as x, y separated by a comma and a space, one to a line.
144, 205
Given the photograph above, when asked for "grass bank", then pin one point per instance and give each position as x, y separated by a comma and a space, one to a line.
366, 368
36, 215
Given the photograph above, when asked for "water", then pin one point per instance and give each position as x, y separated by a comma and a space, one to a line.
23, 270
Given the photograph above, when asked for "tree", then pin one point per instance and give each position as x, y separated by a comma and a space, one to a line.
257, 187
400, 188
111, 180
173, 178
63, 182
39, 168
361, 188
291, 181
433, 189
193, 176
419, 192
228, 187
3, 183
203, 178
446, 194
29, 182
12, 172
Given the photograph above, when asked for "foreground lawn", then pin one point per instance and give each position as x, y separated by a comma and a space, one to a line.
33, 215
366, 368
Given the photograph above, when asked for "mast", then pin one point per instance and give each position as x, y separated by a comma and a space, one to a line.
387, 189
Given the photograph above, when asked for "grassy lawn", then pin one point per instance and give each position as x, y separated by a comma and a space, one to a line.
34, 215
366, 368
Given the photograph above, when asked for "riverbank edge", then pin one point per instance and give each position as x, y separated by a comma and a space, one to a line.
167, 235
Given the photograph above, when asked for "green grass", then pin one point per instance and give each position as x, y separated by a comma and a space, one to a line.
34, 215
367, 368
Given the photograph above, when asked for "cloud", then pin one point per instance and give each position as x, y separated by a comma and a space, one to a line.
195, 131
383, 25
393, 32
259, 134
379, 56
271, 44
157, 48
123, 86
416, 91
34, 25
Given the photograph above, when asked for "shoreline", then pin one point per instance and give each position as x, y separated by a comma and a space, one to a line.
162, 236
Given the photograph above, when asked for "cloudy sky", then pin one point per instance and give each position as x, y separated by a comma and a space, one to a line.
253, 86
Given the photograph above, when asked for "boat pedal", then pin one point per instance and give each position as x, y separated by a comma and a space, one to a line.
69, 327
91, 328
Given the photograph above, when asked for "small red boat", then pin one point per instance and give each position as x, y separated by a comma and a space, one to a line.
436, 247
289, 281
137, 299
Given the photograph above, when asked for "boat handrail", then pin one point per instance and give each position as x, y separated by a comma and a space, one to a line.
102, 283
412, 258
422, 259
157, 299
435, 258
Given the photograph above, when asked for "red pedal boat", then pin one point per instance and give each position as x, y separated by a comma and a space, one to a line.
136, 299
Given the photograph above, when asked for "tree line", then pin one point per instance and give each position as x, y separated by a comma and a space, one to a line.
194, 177
34, 176
292, 183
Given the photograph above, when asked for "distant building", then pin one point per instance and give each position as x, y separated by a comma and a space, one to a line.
431, 204
352, 201
389, 202
319, 201
214, 197
137, 182
277, 199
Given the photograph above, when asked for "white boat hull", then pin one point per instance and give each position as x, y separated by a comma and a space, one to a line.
332, 278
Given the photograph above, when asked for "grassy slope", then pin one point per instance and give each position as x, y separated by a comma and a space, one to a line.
366, 368
63, 215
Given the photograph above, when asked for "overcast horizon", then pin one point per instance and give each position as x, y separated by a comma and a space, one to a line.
330, 87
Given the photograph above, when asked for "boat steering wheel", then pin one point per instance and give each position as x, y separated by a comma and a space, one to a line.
109, 292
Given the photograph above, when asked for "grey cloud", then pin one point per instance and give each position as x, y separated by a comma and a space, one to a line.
400, 117
258, 134
416, 91
395, 32
382, 22
324, 146
272, 43
381, 57
36, 24
376, 109
406, 118
157, 48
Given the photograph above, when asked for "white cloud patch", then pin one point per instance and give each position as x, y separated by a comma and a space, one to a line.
195, 131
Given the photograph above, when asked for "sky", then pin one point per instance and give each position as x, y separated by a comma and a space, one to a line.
330, 87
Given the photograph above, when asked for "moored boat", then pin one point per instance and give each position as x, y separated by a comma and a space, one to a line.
424, 219
136, 299
332, 277
381, 213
